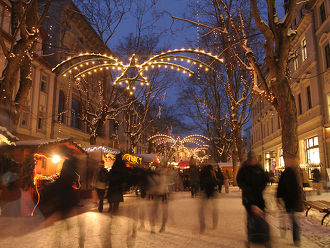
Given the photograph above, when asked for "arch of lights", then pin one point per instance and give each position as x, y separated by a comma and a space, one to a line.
85, 64
181, 144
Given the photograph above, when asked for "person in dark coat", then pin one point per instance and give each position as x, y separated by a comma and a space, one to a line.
194, 179
208, 183
116, 181
220, 178
252, 180
100, 182
66, 186
290, 191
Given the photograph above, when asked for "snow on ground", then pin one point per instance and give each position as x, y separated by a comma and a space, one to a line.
89, 228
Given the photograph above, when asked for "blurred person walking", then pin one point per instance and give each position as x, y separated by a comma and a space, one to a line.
100, 182
220, 179
252, 179
67, 185
290, 191
158, 183
208, 184
116, 179
226, 181
194, 179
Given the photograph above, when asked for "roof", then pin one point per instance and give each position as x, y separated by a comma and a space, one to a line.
147, 157
7, 137
43, 143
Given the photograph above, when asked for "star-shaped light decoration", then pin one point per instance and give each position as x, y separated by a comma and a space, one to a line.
183, 60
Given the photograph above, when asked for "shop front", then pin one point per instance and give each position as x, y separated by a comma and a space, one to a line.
270, 161
312, 152
41, 163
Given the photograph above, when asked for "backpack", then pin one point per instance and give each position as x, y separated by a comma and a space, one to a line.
102, 176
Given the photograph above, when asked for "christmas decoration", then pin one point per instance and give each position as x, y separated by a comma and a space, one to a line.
85, 64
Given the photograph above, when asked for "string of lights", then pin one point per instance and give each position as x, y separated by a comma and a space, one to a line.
85, 64
98, 148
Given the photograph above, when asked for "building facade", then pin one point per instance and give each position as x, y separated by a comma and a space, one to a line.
54, 105
310, 82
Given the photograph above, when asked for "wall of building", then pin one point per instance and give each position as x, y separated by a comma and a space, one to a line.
310, 83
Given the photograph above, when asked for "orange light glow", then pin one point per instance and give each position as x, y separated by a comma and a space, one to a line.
79, 185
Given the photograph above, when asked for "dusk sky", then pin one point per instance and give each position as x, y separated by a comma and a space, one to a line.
175, 34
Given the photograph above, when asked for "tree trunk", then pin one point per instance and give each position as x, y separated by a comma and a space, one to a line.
234, 160
286, 108
25, 81
239, 145
92, 140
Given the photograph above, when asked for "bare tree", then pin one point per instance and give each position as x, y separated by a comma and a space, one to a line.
278, 36
100, 102
223, 98
105, 16
25, 33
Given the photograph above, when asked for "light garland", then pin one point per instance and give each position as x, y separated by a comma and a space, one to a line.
98, 148
196, 139
93, 63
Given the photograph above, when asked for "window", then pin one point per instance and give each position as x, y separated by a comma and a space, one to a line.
312, 150
322, 13
25, 117
299, 104
75, 114
60, 110
309, 97
43, 83
295, 60
304, 49
281, 160
41, 122
327, 55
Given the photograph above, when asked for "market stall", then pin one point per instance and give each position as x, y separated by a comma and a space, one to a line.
41, 162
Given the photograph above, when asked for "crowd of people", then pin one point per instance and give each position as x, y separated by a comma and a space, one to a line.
205, 182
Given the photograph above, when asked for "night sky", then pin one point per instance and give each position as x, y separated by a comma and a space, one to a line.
175, 34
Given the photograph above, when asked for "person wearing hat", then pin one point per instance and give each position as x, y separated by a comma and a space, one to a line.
252, 180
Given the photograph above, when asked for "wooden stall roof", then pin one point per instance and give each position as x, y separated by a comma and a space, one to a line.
45, 144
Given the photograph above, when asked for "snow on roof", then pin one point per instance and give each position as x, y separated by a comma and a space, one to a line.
7, 137
147, 157
45, 142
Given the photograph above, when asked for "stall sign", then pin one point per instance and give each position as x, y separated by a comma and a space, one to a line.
132, 159
109, 157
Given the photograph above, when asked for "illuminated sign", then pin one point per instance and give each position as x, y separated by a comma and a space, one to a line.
109, 157
132, 159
